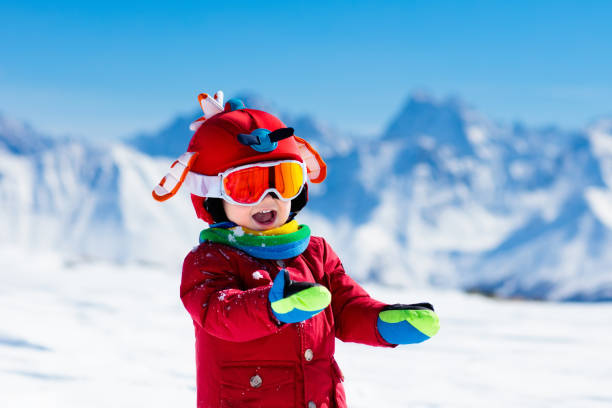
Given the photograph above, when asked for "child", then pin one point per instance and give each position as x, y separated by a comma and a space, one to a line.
268, 299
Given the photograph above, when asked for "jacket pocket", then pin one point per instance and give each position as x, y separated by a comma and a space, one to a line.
265, 384
338, 388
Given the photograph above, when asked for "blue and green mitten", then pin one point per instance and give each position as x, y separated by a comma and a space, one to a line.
292, 301
407, 324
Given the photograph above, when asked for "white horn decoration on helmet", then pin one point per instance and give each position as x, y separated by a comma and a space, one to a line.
210, 107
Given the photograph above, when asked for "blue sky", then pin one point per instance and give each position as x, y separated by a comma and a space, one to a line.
108, 69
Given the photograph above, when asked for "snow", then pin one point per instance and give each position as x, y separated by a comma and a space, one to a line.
476, 134
600, 201
98, 335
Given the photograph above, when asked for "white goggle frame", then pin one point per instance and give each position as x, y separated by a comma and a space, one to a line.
212, 186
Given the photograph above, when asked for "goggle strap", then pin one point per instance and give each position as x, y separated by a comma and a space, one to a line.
203, 186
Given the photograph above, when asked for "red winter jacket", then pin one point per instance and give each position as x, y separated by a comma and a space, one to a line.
243, 357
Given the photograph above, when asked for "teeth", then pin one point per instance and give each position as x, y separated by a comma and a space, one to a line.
266, 211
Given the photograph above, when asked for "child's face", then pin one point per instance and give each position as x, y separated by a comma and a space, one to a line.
270, 213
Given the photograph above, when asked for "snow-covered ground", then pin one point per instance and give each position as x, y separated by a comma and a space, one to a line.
102, 335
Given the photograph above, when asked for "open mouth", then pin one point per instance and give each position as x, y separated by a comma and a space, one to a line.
266, 217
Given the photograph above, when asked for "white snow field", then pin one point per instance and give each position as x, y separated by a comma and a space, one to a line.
101, 335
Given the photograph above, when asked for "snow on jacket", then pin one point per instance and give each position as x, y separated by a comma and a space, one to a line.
244, 357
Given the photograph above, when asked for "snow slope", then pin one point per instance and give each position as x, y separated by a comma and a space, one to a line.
98, 335
92, 202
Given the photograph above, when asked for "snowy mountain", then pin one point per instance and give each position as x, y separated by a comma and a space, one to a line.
444, 196
497, 209
20, 138
90, 202
456, 200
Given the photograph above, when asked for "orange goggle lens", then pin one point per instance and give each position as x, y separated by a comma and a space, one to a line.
247, 185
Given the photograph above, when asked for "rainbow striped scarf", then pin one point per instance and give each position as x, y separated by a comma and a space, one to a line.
283, 242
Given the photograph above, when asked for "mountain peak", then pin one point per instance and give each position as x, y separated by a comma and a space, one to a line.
20, 138
423, 115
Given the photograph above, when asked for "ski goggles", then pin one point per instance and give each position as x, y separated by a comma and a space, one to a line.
249, 184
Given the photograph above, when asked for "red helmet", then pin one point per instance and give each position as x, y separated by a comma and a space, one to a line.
219, 144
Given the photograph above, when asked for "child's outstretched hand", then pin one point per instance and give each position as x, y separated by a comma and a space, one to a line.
293, 301
406, 324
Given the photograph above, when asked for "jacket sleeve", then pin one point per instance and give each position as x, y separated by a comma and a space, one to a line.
355, 312
211, 294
